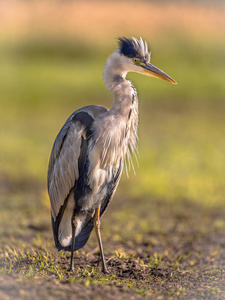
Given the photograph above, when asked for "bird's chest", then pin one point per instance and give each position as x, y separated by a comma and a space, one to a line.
93, 187
132, 123
100, 175
107, 149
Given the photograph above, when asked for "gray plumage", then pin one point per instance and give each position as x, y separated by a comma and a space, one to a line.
89, 152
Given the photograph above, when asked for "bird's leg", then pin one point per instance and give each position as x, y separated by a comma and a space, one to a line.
74, 226
97, 230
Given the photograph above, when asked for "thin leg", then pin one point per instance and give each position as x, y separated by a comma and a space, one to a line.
97, 230
74, 225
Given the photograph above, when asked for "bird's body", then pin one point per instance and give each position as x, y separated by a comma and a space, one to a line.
89, 153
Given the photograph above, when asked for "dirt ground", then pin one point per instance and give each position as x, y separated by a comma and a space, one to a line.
182, 257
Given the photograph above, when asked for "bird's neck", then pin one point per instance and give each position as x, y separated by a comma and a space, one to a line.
124, 111
124, 94
115, 81
115, 71
113, 78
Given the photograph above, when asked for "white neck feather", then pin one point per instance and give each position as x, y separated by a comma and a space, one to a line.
116, 68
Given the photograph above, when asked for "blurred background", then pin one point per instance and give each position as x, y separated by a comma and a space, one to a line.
52, 55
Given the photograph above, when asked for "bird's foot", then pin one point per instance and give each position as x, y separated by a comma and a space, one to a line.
71, 269
105, 270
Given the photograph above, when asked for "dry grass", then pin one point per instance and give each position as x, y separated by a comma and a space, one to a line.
103, 20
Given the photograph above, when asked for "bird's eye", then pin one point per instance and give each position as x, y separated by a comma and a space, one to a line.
135, 60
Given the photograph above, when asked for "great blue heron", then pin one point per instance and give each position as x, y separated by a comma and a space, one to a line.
89, 152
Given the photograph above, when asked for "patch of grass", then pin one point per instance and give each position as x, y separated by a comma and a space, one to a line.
164, 249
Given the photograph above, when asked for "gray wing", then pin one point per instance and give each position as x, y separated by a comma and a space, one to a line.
66, 162
63, 164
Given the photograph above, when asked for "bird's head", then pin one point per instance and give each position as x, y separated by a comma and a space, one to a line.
135, 57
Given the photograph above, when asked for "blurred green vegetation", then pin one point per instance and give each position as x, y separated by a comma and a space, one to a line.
43, 80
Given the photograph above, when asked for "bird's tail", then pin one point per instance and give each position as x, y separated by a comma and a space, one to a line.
83, 236
80, 240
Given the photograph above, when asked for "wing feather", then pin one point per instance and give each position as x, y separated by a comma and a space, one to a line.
63, 164
66, 164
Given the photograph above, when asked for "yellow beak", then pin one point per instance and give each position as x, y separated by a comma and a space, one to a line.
153, 71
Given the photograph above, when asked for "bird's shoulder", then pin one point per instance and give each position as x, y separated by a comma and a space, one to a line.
93, 110
82, 117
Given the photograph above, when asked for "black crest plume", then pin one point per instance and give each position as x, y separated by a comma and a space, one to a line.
127, 47
134, 48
